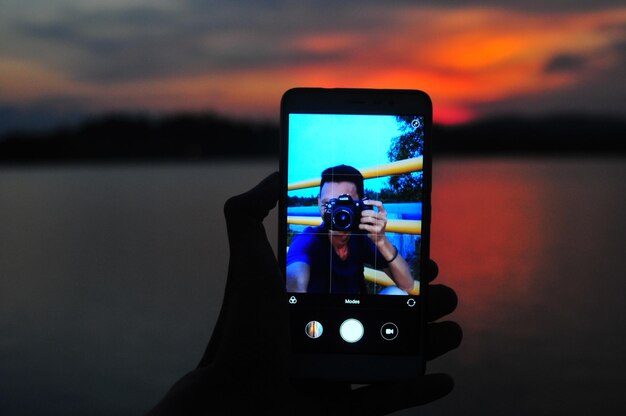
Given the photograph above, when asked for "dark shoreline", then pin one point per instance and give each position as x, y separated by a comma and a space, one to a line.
187, 137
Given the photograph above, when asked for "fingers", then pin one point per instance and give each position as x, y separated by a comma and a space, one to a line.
378, 204
441, 301
373, 222
432, 270
442, 337
378, 230
381, 213
382, 399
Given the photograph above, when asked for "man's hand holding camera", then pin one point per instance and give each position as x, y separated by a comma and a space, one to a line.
375, 223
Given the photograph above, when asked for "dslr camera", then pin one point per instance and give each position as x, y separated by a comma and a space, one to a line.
343, 213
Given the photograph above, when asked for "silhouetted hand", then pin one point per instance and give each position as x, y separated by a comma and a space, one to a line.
244, 367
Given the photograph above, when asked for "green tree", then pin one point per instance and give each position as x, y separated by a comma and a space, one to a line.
409, 144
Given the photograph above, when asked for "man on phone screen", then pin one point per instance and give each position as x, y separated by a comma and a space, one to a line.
325, 260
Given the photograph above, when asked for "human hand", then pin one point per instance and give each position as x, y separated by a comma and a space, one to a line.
245, 365
373, 222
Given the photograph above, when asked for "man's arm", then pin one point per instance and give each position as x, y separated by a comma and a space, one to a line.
298, 274
375, 223
398, 269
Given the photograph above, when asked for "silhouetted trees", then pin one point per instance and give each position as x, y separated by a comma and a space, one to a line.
206, 136
136, 137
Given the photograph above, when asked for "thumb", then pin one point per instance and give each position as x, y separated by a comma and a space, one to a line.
253, 317
255, 204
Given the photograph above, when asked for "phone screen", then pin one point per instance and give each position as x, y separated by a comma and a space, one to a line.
353, 242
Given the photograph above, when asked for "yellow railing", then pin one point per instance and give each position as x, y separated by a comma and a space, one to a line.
381, 278
394, 168
393, 226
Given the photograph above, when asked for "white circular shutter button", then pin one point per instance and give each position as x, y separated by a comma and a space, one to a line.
351, 330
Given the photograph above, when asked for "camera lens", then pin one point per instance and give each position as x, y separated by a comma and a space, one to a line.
342, 219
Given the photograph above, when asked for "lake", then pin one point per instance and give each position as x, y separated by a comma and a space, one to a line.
111, 278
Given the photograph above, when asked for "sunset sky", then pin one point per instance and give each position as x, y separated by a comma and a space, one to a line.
475, 58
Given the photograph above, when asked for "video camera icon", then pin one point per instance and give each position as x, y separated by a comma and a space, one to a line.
389, 331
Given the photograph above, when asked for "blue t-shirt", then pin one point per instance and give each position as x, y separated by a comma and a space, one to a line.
328, 273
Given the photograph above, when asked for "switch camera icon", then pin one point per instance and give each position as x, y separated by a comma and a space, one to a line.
416, 123
293, 300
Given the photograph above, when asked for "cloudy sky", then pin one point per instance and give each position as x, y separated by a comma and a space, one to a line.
475, 58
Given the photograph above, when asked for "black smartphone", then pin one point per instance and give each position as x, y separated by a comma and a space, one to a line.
354, 231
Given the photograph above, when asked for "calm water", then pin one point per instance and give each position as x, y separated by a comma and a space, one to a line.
111, 278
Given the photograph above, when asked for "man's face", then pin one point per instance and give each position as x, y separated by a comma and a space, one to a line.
332, 190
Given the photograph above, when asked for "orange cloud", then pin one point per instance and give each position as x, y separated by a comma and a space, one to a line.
470, 56
461, 58
22, 81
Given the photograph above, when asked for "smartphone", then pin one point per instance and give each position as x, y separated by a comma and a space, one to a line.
354, 222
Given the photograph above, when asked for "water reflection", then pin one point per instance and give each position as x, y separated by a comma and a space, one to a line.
487, 235
111, 279
534, 248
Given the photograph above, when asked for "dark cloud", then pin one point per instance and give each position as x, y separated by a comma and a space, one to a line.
42, 115
548, 5
143, 43
599, 89
564, 63
620, 49
332, 6
601, 93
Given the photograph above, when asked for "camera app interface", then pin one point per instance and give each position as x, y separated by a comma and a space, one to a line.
354, 210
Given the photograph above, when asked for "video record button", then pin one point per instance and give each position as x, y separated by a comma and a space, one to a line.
389, 331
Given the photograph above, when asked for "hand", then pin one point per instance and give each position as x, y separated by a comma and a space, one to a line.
375, 223
244, 367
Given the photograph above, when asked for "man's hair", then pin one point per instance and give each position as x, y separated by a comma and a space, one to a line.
343, 173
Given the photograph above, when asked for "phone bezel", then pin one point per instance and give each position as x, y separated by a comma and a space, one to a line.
359, 368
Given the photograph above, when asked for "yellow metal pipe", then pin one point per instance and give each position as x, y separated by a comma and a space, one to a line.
394, 168
415, 164
309, 183
302, 220
393, 226
381, 278
405, 226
